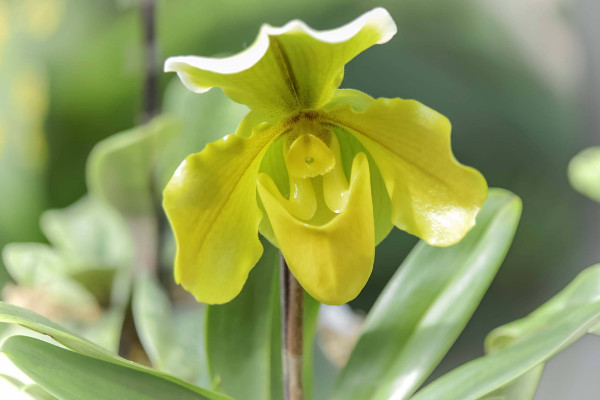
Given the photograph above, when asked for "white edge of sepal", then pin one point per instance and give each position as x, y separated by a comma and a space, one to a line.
378, 17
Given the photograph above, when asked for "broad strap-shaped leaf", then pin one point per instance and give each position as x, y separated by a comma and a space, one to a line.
72, 376
244, 336
241, 335
28, 390
584, 173
522, 388
521, 347
37, 323
426, 305
311, 314
433, 196
288, 68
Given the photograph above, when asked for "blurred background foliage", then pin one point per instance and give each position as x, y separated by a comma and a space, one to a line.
510, 75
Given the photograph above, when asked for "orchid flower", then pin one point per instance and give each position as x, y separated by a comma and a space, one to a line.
323, 173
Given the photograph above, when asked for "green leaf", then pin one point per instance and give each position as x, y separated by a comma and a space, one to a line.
426, 305
524, 345
522, 388
37, 392
173, 339
33, 390
37, 323
86, 267
240, 335
243, 341
152, 315
122, 170
191, 339
40, 271
90, 234
72, 376
311, 313
584, 173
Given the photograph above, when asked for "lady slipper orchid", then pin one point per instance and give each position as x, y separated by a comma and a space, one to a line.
323, 173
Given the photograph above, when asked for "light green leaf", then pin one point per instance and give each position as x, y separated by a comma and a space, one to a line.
37, 323
584, 173
152, 315
243, 341
522, 388
122, 170
89, 234
585, 288
72, 376
173, 339
485, 374
524, 345
37, 392
33, 391
426, 305
192, 365
311, 313
31, 263
17, 315
241, 335
39, 271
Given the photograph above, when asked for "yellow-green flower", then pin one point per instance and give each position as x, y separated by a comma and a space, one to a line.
321, 172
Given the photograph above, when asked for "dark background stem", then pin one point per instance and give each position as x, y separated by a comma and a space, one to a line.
151, 95
292, 310
145, 230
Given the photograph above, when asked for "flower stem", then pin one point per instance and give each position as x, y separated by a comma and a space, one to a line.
292, 310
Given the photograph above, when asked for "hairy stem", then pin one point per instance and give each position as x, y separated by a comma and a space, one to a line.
292, 309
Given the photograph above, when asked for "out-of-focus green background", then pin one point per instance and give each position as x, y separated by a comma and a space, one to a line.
518, 79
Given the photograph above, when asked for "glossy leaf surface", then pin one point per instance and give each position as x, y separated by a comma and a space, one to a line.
242, 336
37, 323
426, 305
524, 345
72, 376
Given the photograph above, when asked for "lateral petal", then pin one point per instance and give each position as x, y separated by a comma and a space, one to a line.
433, 195
211, 204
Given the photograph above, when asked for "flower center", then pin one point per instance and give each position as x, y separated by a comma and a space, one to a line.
309, 157
318, 186
307, 153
